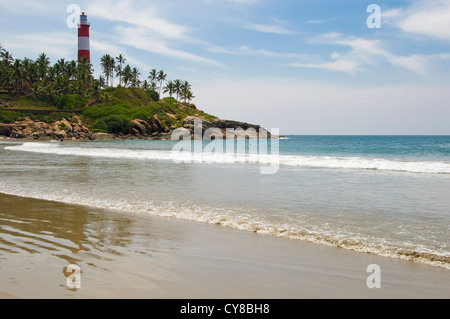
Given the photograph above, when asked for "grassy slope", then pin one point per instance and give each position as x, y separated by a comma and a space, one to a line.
128, 102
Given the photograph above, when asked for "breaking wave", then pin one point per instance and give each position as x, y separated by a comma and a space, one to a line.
364, 163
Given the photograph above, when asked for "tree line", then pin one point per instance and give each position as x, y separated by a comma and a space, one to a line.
54, 83
130, 77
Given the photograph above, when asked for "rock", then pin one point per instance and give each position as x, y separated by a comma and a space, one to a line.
140, 127
60, 134
5, 129
102, 136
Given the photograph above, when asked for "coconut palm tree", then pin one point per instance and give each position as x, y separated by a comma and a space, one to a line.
135, 77
18, 75
170, 88
108, 66
153, 76
177, 84
60, 67
127, 75
120, 60
42, 64
145, 85
161, 78
185, 89
7, 58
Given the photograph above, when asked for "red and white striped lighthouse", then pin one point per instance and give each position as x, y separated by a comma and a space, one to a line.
83, 38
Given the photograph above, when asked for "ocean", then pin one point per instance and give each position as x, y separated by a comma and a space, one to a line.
383, 195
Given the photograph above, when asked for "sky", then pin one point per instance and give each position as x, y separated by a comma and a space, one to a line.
305, 67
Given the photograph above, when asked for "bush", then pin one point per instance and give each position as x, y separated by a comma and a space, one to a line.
99, 126
92, 112
153, 95
117, 109
75, 101
114, 124
10, 117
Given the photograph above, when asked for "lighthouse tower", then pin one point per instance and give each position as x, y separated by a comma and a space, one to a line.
83, 38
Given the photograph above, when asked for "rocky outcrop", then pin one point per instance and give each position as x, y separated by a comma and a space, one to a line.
150, 128
74, 130
227, 128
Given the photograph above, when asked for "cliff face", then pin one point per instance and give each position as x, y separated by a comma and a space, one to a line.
150, 128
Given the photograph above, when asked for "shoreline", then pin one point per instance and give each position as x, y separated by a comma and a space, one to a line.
159, 257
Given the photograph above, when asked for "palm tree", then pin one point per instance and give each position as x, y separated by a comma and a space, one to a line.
161, 78
60, 67
185, 89
83, 74
71, 69
153, 76
135, 77
189, 96
42, 64
177, 84
18, 74
7, 58
108, 65
145, 85
121, 60
61, 88
101, 81
127, 75
170, 88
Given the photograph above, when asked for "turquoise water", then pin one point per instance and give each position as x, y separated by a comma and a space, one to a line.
386, 195
429, 148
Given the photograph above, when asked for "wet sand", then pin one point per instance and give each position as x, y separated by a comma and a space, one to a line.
125, 255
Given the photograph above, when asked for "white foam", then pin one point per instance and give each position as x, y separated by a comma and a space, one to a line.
218, 216
382, 164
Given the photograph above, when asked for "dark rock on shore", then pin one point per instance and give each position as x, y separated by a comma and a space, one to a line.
150, 128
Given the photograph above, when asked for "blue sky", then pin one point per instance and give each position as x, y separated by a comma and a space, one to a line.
305, 67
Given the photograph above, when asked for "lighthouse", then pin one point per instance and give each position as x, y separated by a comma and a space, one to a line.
83, 38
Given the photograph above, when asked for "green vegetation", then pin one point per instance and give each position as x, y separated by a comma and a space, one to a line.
10, 117
69, 85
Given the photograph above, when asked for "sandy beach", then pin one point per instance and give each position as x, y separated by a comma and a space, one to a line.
125, 255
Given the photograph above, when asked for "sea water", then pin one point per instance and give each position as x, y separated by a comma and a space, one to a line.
385, 195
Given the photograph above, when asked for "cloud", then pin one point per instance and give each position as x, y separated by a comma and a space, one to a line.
140, 25
54, 44
430, 18
341, 65
147, 17
270, 28
26, 7
246, 50
365, 54
142, 38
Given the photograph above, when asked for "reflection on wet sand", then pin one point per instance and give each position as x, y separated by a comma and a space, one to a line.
34, 232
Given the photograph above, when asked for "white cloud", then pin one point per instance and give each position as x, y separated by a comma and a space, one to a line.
142, 38
269, 28
245, 50
30, 7
430, 18
340, 65
366, 54
56, 45
133, 13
